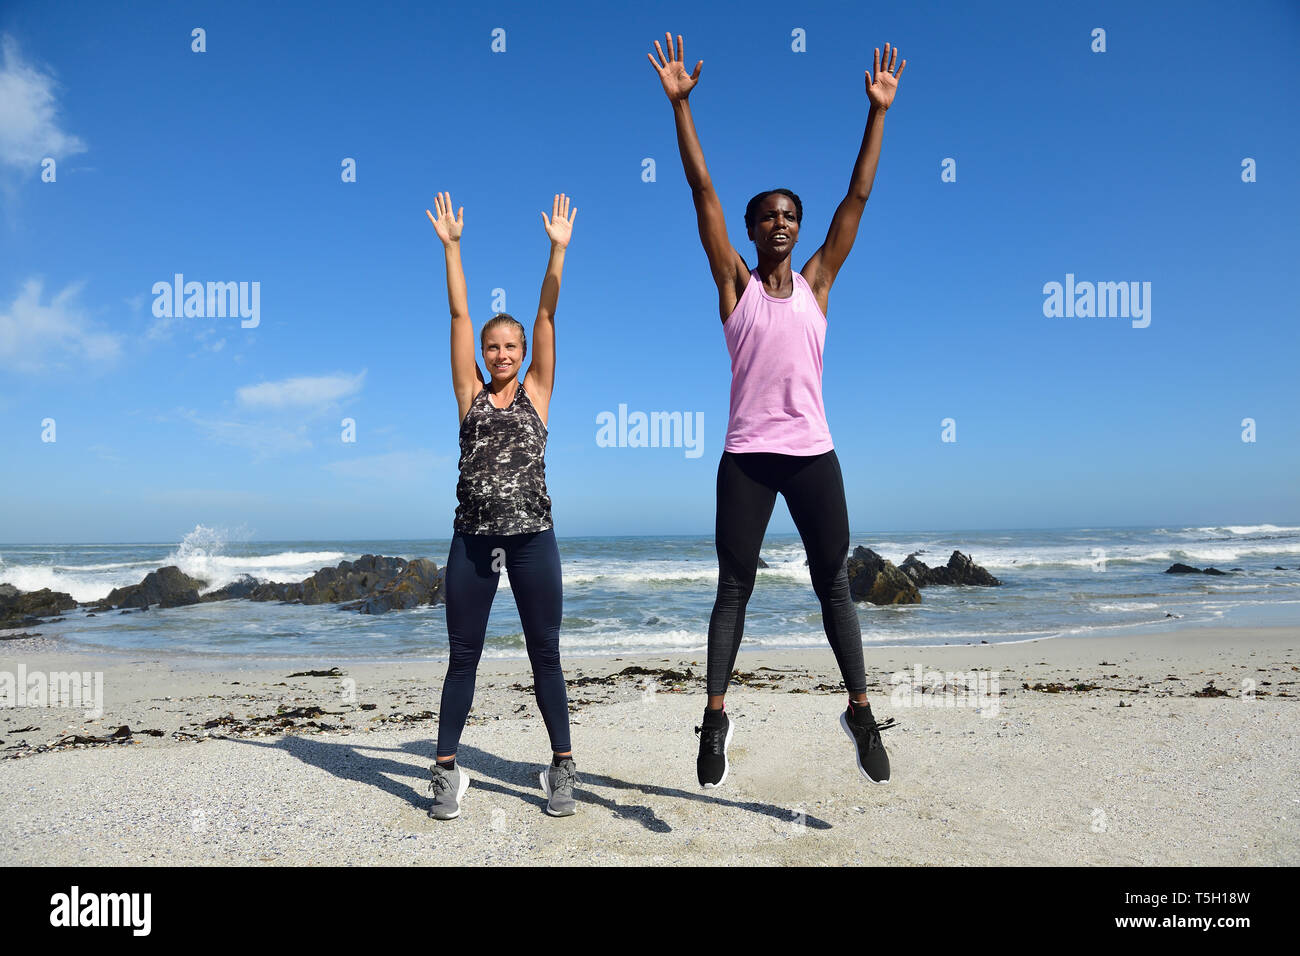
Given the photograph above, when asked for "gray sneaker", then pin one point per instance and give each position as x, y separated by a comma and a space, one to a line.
558, 782
448, 786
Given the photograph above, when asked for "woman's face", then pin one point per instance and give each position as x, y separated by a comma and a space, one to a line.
775, 228
503, 351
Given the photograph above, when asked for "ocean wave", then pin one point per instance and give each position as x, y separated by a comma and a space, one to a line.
1245, 529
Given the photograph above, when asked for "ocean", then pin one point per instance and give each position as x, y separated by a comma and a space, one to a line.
653, 595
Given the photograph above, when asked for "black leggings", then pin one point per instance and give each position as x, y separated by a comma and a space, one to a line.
473, 570
813, 488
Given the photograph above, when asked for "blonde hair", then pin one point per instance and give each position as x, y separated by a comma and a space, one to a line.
498, 320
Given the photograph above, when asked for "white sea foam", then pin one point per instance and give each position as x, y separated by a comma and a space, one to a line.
1244, 529
199, 554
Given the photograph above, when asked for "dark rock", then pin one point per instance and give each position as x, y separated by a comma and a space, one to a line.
168, 587
872, 578
921, 574
762, 563
352, 579
962, 570
418, 582
959, 570
1188, 569
23, 608
349, 581
241, 587
271, 591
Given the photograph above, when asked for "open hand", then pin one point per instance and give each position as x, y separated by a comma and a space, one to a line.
447, 227
560, 226
672, 72
881, 90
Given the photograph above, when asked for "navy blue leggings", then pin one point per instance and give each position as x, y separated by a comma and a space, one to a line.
473, 571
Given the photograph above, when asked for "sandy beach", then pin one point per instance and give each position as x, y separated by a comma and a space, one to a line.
1094, 751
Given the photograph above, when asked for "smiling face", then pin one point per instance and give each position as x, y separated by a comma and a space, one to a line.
775, 228
503, 351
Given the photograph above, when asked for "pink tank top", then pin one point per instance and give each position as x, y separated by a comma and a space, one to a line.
776, 372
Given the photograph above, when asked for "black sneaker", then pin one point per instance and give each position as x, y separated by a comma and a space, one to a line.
868, 751
715, 737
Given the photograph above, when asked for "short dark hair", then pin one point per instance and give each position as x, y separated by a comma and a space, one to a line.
751, 210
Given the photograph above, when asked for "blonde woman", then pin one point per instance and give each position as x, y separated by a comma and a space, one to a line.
503, 512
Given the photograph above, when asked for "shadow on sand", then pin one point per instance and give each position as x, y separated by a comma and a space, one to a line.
375, 767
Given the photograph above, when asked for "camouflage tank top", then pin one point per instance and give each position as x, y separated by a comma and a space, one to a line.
502, 486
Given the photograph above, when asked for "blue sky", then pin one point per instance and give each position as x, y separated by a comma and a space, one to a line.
225, 166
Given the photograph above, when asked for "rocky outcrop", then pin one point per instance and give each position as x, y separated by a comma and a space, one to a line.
959, 570
420, 582
25, 608
166, 587
873, 578
1188, 569
372, 584
241, 587
348, 581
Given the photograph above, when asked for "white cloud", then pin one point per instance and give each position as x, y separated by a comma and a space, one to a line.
264, 439
34, 337
29, 123
161, 329
300, 392
107, 453
391, 466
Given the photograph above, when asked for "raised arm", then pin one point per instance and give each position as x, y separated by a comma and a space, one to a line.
540, 378
728, 268
821, 269
466, 379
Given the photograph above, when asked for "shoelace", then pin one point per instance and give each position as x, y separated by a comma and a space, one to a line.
873, 729
439, 783
712, 738
566, 777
